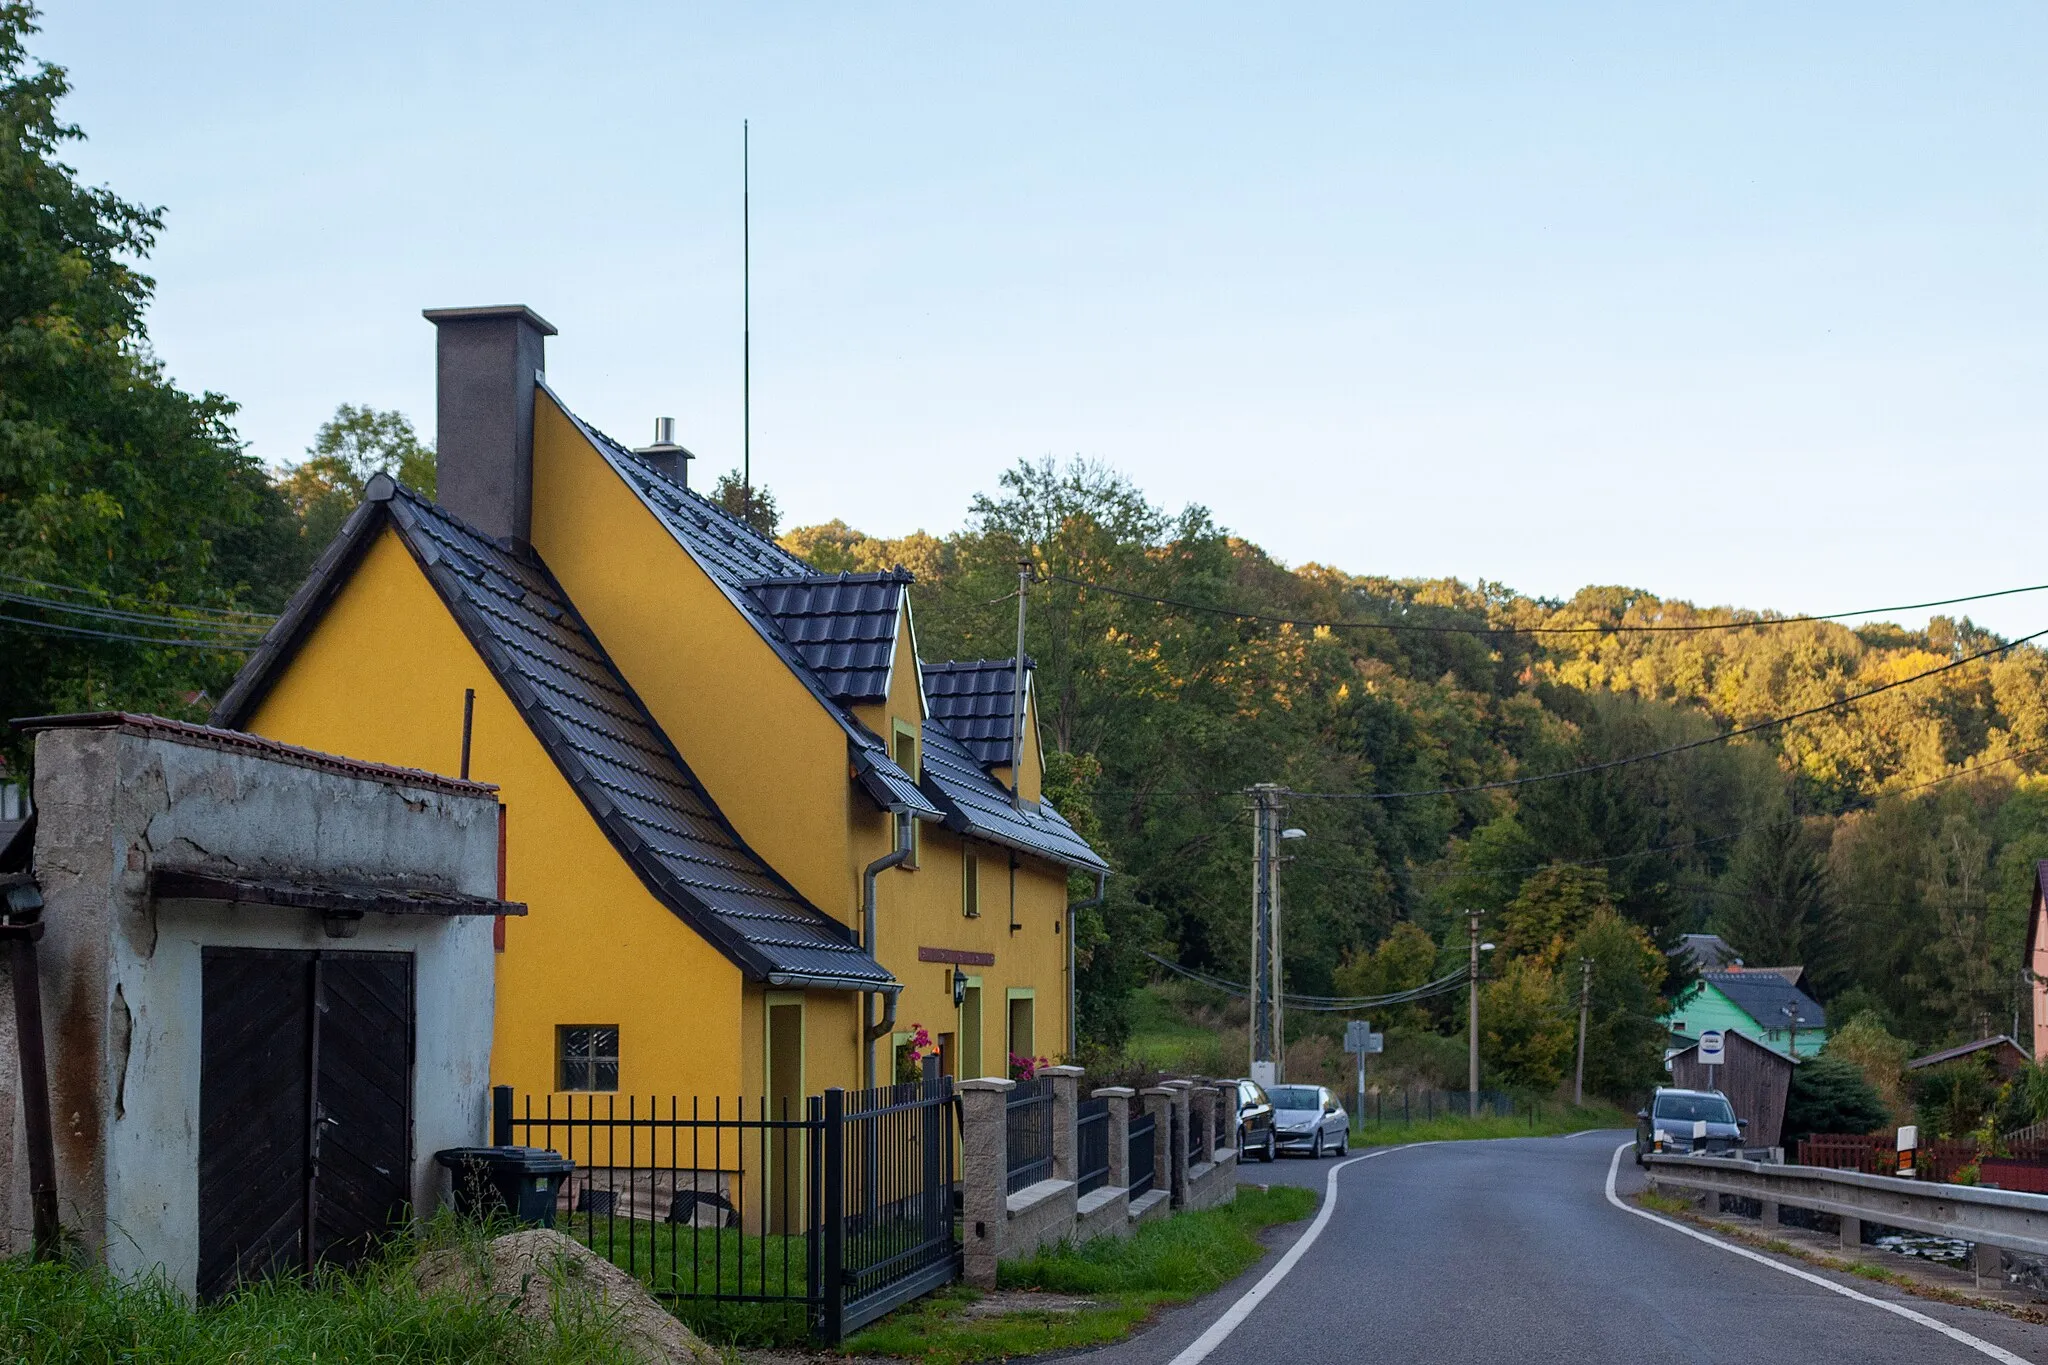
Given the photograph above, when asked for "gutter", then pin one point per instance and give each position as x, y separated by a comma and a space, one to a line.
1074, 910
870, 1030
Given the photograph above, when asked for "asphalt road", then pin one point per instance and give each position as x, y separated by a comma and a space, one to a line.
1508, 1251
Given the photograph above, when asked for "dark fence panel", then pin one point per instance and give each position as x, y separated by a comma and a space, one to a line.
715, 1207
758, 1222
899, 1178
1420, 1106
1091, 1144
1142, 1167
1028, 1116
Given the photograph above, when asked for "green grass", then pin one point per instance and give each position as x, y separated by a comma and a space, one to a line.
1166, 1262
57, 1314
1456, 1128
1161, 1035
672, 1258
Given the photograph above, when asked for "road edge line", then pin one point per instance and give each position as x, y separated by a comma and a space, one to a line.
1219, 1331
1998, 1353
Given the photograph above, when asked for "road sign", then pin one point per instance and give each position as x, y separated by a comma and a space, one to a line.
1356, 1034
1712, 1052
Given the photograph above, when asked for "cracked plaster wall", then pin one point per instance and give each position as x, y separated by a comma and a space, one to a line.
121, 974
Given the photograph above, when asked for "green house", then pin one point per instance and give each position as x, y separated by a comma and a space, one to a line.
1764, 1004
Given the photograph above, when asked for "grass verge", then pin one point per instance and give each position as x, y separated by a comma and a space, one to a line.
677, 1259
1457, 1128
57, 1314
1128, 1279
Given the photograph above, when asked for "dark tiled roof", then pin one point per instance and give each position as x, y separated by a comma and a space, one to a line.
734, 555
1706, 951
975, 803
975, 699
1763, 996
844, 626
600, 735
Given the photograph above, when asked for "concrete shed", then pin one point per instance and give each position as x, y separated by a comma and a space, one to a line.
266, 978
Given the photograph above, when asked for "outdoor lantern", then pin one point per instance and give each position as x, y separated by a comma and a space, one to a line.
959, 989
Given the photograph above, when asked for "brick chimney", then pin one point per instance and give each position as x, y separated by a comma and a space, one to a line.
487, 360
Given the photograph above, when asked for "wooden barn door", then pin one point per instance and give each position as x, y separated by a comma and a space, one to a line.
305, 1108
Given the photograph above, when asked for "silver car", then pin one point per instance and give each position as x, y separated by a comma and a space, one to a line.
1308, 1118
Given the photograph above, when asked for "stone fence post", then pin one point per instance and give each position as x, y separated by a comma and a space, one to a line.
1202, 1113
1066, 1098
1177, 1142
1119, 1097
1159, 1104
984, 1174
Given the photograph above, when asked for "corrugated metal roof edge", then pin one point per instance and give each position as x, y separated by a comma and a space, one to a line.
330, 573
610, 452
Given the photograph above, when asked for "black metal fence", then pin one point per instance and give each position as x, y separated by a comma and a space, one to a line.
1142, 1168
760, 1222
1027, 1115
1420, 1106
1091, 1144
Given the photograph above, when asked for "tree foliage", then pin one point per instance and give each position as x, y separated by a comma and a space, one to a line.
117, 488
1830, 1095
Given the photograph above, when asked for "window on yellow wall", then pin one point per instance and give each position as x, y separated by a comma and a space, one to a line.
970, 884
904, 751
587, 1057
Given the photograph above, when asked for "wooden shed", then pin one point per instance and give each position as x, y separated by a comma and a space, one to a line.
1755, 1078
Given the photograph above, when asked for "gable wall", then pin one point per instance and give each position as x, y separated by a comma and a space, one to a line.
381, 677
768, 752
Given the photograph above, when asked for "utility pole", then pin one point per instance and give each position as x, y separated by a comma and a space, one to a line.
1266, 1024
1585, 996
1472, 1016
1791, 1014
1026, 573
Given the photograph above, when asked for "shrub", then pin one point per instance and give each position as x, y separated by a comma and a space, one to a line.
1830, 1095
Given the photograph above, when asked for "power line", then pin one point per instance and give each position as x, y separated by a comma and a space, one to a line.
1322, 1003
1861, 803
233, 612
1722, 738
1406, 627
54, 628
1840, 703
224, 629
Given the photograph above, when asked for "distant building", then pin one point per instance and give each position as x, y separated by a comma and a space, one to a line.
1764, 1003
2037, 959
1705, 952
2007, 1058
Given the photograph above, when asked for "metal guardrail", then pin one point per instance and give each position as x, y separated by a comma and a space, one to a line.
1999, 1218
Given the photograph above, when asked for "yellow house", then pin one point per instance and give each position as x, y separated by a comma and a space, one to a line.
759, 841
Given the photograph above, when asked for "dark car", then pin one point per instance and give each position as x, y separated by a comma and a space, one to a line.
1689, 1123
1255, 1135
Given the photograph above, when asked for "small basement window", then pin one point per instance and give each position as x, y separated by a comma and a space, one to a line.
587, 1057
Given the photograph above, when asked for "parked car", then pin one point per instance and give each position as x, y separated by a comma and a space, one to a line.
1694, 1122
1255, 1136
1309, 1119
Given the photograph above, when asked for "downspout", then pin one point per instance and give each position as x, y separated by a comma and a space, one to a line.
1073, 919
870, 1030
21, 906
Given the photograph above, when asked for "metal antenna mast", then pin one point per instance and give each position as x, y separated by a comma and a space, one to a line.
746, 320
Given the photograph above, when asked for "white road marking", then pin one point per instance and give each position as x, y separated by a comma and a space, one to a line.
1998, 1353
1583, 1131
1200, 1348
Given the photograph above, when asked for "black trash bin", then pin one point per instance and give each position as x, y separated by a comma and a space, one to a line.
521, 1181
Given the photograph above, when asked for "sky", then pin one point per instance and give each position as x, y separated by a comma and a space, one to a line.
1741, 303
